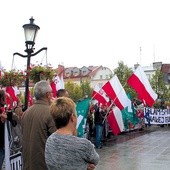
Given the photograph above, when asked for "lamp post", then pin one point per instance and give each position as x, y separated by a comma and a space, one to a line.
30, 31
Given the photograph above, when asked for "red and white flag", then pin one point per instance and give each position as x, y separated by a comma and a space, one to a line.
139, 82
115, 120
53, 86
100, 95
61, 77
58, 81
30, 99
11, 98
116, 92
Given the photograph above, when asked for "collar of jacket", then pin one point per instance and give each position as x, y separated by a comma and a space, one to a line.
41, 102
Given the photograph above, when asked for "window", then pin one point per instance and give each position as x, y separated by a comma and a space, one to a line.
101, 76
76, 73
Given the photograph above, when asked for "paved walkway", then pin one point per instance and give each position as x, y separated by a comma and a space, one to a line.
138, 150
141, 150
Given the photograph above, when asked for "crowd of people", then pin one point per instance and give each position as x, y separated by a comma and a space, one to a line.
49, 138
49, 134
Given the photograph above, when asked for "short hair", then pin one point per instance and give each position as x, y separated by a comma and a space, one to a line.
61, 110
61, 93
41, 88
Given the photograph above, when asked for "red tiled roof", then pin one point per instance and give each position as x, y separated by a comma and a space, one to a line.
93, 70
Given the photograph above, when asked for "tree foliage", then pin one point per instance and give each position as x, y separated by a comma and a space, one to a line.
74, 90
158, 85
123, 72
86, 89
77, 92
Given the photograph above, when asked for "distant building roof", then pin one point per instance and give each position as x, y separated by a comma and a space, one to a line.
165, 68
148, 68
94, 71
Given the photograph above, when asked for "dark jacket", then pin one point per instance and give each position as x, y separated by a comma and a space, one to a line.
99, 116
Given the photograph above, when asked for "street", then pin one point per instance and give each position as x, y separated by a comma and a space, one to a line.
148, 149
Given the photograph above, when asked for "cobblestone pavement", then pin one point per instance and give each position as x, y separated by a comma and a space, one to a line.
138, 150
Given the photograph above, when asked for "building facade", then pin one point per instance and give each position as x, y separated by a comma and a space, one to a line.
164, 68
94, 74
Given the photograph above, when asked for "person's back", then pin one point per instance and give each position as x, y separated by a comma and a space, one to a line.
64, 150
37, 125
71, 152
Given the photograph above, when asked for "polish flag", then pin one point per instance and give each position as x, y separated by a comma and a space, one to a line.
16, 90
58, 81
53, 86
30, 99
9, 101
115, 121
99, 94
60, 84
116, 92
139, 82
11, 98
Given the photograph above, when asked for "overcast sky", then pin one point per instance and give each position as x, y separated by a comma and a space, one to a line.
90, 32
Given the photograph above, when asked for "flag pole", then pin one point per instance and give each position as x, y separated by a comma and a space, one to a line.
94, 95
108, 110
113, 101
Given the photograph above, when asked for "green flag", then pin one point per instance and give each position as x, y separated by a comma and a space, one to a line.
129, 116
82, 108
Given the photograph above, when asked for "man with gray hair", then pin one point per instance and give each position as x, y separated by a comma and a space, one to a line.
37, 125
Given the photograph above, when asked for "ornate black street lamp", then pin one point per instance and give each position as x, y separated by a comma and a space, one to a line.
30, 31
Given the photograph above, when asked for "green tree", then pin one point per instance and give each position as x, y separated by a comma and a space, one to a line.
158, 85
74, 90
86, 89
77, 92
123, 72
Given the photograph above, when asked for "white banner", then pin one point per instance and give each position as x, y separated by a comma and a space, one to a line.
13, 155
156, 116
7, 150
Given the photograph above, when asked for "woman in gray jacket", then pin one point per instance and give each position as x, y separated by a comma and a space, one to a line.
64, 150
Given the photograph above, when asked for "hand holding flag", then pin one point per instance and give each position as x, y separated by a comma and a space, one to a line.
100, 95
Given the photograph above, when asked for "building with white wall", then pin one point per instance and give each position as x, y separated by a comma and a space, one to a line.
94, 74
